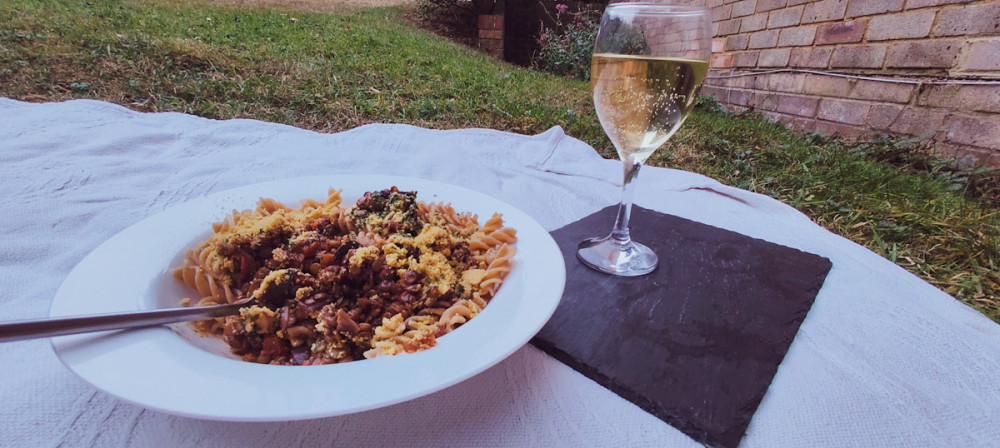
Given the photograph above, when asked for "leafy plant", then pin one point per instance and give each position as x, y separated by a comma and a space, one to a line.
566, 48
708, 103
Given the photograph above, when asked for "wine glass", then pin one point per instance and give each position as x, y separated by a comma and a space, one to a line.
649, 62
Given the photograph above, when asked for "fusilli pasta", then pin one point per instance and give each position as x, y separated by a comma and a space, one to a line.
385, 276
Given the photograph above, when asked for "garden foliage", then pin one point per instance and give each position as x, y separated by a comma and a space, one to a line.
566, 47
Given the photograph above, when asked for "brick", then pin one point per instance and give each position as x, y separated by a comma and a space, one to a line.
914, 4
772, 116
742, 82
923, 54
798, 36
841, 32
720, 82
918, 121
713, 3
785, 17
859, 8
491, 34
720, 94
802, 124
858, 56
784, 82
798, 124
803, 106
715, 82
768, 5
780, 82
721, 61
764, 101
674, 47
764, 39
490, 22
843, 111
722, 13
774, 58
718, 44
799, 2
827, 85
981, 55
746, 59
969, 20
737, 42
881, 116
760, 82
715, 28
755, 22
843, 130
981, 98
491, 44
970, 156
824, 11
739, 97
882, 91
907, 25
728, 27
744, 8
981, 131
810, 57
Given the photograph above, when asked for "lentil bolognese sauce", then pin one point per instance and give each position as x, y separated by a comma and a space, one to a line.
385, 276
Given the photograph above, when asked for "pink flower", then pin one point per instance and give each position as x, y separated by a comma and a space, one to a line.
543, 37
560, 8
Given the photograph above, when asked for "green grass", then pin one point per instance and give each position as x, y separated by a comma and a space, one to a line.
320, 71
331, 72
919, 219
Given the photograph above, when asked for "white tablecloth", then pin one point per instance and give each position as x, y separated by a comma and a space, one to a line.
883, 358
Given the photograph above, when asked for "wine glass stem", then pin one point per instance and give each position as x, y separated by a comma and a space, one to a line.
620, 234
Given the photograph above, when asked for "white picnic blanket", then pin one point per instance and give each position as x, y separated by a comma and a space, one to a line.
883, 358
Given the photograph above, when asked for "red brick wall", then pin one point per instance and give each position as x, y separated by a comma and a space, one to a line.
679, 38
490, 39
928, 41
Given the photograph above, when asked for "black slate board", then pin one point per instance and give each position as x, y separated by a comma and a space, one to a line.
696, 342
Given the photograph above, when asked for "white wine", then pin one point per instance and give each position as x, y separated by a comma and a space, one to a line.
642, 100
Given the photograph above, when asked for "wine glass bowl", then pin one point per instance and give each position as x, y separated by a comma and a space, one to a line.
649, 62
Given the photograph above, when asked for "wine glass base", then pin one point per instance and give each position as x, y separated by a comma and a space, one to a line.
610, 256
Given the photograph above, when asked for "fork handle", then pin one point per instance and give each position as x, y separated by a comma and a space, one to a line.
60, 326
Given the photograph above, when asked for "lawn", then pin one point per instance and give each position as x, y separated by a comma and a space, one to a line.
337, 70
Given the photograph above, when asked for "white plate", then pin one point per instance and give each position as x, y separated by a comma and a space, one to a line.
164, 369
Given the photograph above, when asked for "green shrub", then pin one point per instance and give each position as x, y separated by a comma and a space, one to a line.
566, 48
